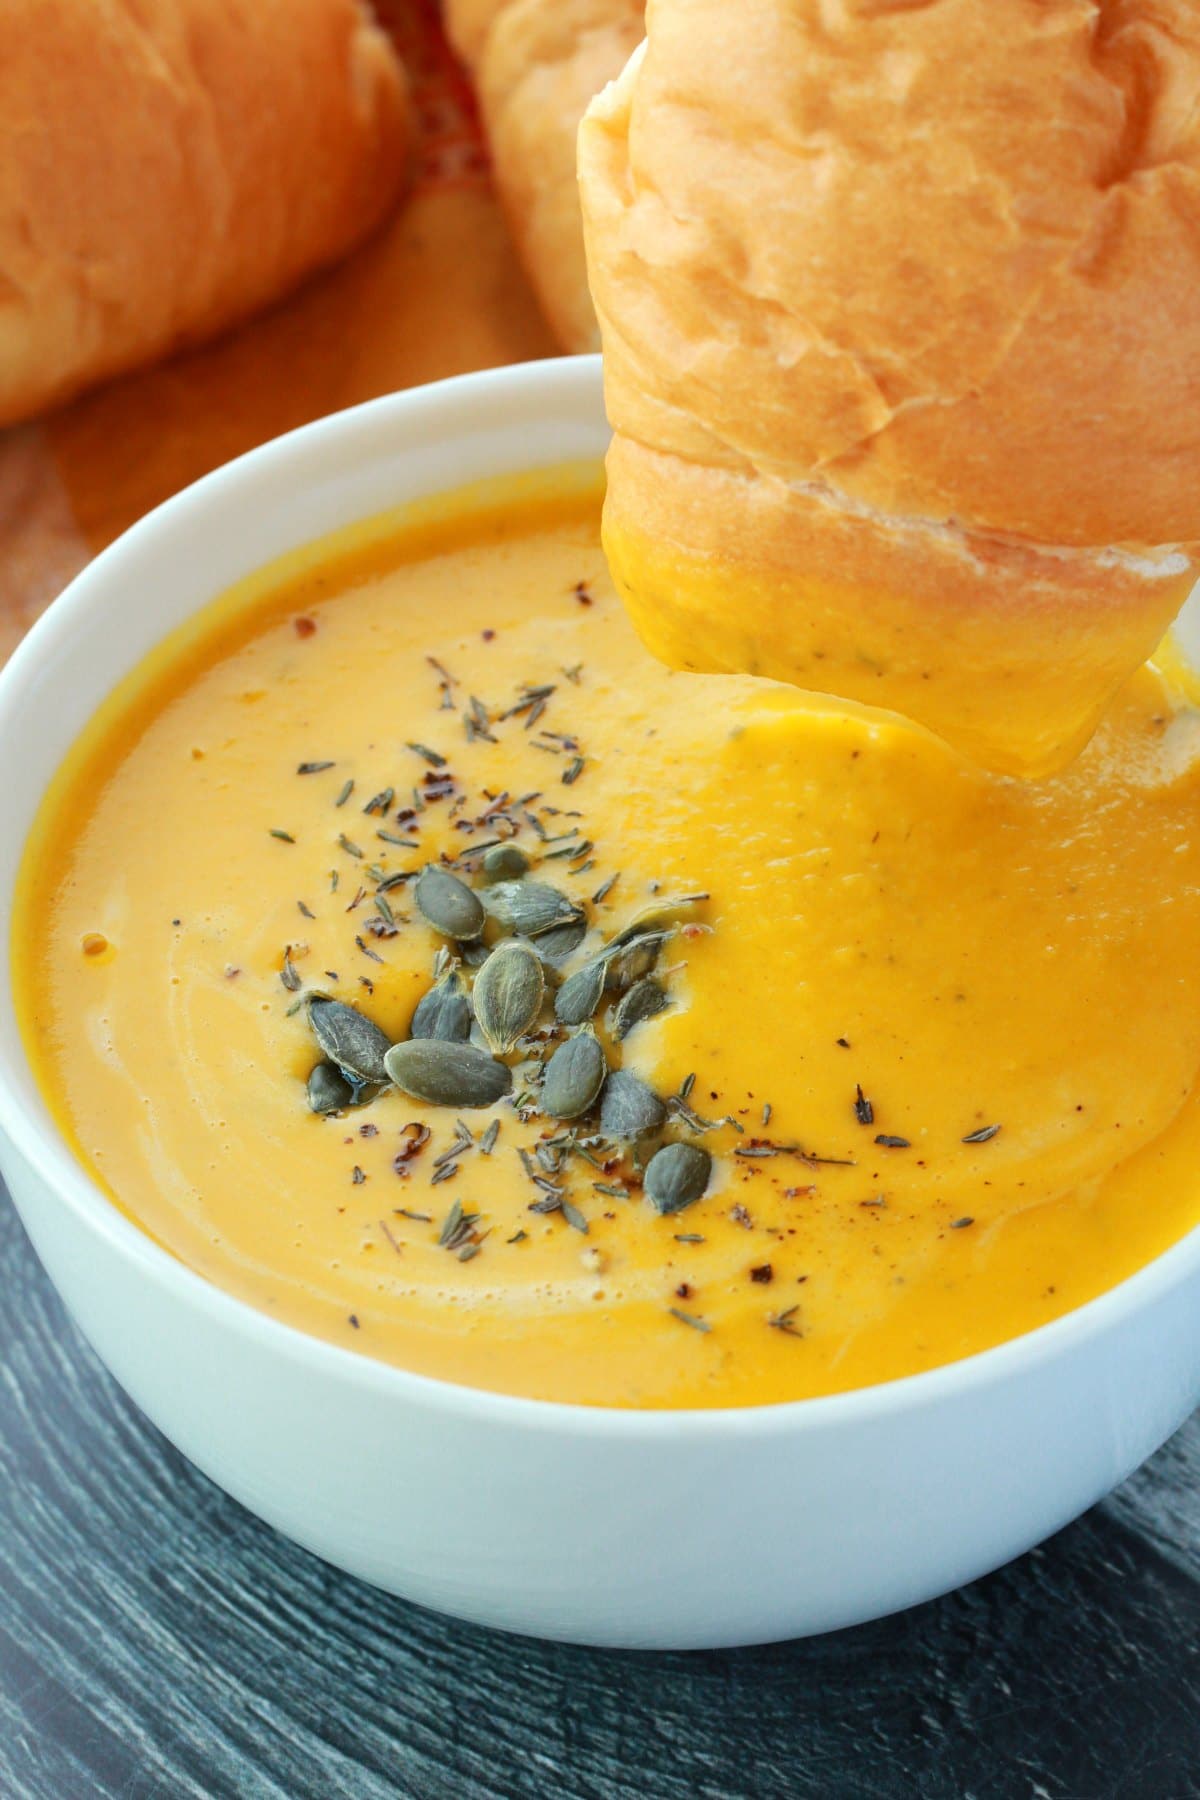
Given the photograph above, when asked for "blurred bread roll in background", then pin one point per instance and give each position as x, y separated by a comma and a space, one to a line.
169, 166
902, 348
536, 64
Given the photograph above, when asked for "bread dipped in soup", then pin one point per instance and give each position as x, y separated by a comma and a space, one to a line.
902, 350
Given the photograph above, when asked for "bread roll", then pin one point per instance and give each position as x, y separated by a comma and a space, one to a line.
537, 63
902, 348
168, 166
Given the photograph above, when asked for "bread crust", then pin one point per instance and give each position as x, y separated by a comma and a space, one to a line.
936, 262
169, 166
536, 64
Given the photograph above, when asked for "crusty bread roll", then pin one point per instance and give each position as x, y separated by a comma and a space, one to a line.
536, 64
902, 348
168, 166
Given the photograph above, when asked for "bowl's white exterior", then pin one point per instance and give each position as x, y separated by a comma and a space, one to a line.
606, 1527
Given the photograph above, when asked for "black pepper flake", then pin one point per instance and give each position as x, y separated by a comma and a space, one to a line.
357, 1176
763, 1273
961, 1224
354, 1320
892, 1143
984, 1135
864, 1112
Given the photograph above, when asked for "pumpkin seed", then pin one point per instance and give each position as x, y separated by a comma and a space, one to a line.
508, 994
560, 942
328, 1089
629, 1109
504, 862
660, 915
354, 1043
448, 903
633, 958
444, 1012
447, 1074
580, 994
676, 1176
530, 907
644, 1000
574, 1076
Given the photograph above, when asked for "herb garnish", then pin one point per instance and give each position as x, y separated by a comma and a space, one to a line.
687, 1318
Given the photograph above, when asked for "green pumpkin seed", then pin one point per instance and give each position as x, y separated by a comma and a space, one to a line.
580, 994
448, 903
560, 942
328, 1089
644, 1000
504, 862
530, 907
508, 994
631, 960
444, 1012
676, 1176
354, 1043
660, 915
446, 1074
629, 1109
574, 1076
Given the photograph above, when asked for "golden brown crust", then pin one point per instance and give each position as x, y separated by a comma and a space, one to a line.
901, 343
537, 63
944, 257
169, 166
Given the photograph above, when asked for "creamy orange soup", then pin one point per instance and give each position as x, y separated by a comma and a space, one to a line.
945, 1023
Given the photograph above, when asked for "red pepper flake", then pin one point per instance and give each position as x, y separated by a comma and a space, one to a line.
763, 1273
487, 634
306, 628
582, 594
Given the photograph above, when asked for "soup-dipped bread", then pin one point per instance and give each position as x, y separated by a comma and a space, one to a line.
902, 350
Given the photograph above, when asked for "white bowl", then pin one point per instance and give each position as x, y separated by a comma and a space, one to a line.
670, 1529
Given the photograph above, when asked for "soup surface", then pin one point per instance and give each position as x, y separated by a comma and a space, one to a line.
938, 1030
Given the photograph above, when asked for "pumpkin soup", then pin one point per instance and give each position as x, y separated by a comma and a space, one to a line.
409, 953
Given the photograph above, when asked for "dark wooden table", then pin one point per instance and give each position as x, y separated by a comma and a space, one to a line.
158, 1643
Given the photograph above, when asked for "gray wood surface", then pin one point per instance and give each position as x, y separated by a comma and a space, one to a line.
158, 1643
